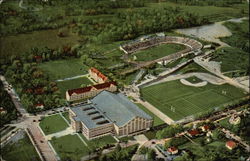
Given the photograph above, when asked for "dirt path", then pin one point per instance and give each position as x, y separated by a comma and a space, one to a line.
157, 112
203, 76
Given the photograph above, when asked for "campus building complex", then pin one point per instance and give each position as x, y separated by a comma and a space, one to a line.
90, 91
109, 113
97, 75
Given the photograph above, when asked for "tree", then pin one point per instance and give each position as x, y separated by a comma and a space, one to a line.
184, 157
118, 147
151, 154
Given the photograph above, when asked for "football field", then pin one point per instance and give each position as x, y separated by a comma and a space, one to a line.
178, 101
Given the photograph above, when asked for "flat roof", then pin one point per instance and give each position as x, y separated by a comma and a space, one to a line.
118, 108
115, 108
89, 115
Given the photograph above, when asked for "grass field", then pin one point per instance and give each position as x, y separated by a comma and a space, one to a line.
71, 84
66, 116
233, 60
64, 68
99, 142
53, 124
178, 101
18, 44
158, 52
193, 79
157, 120
69, 146
22, 150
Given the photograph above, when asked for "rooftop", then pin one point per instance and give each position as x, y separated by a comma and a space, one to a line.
108, 107
231, 144
193, 132
87, 89
118, 108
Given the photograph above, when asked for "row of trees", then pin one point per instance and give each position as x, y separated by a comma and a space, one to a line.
119, 154
14, 20
33, 86
7, 104
240, 35
130, 25
220, 3
169, 131
150, 153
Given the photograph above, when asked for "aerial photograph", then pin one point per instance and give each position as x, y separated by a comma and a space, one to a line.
124, 80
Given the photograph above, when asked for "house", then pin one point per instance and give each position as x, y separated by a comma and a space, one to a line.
2, 111
234, 120
89, 91
97, 75
172, 150
38, 58
109, 113
193, 133
205, 128
39, 106
231, 144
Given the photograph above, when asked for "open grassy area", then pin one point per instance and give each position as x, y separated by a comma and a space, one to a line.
157, 52
99, 142
192, 67
234, 61
69, 146
194, 79
240, 35
178, 101
21, 43
66, 116
61, 69
22, 150
71, 84
157, 120
53, 124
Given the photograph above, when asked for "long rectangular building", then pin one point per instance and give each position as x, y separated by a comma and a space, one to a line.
90, 91
109, 113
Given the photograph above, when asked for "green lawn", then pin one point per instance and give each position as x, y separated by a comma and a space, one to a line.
192, 67
178, 101
18, 44
61, 69
66, 116
22, 150
157, 52
72, 84
53, 124
99, 142
233, 60
69, 146
157, 120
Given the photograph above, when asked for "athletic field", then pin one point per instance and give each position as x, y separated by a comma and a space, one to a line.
158, 52
178, 101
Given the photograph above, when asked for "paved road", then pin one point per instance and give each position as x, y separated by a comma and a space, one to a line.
41, 142
237, 138
26, 122
14, 96
217, 72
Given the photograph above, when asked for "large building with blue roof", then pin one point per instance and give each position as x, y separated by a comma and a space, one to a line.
109, 113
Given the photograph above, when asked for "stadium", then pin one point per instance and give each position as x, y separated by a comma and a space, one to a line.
146, 42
